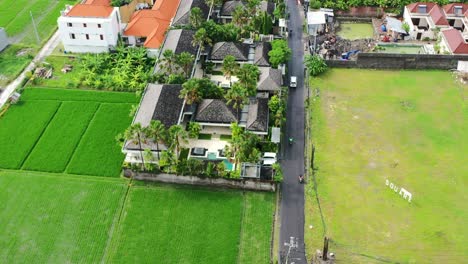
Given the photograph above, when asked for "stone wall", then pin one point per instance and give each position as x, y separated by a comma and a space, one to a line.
400, 61
244, 184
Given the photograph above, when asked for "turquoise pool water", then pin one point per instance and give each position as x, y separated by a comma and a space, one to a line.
228, 165
211, 155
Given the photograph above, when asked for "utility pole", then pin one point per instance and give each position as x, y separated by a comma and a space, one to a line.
35, 29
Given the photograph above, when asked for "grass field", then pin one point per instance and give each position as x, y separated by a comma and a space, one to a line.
355, 30
409, 127
58, 130
11, 64
15, 17
180, 225
50, 219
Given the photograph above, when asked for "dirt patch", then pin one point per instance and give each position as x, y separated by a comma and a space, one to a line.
332, 46
24, 52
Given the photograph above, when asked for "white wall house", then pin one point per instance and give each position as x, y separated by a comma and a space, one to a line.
423, 19
86, 28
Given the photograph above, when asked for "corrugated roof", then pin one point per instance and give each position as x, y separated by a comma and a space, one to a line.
455, 41
153, 23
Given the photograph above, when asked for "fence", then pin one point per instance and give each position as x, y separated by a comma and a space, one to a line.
244, 184
400, 61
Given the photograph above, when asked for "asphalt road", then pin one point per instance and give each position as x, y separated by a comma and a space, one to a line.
292, 201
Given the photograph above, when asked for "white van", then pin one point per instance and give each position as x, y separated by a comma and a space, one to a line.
293, 82
269, 158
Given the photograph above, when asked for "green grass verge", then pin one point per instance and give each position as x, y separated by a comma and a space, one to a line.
204, 136
50, 219
41, 93
257, 227
57, 144
405, 126
20, 128
11, 65
98, 152
225, 137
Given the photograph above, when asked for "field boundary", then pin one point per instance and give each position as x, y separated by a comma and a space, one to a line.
241, 229
65, 175
40, 135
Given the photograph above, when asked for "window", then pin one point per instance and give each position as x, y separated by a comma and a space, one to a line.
69, 24
101, 37
422, 9
458, 10
72, 36
84, 25
87, 36
99, 25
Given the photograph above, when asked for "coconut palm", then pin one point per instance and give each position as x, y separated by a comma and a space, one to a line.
240, 17
248, 76
190, 91
201, 38
184, 61
168, 61
229, 67
196, 17
236, 96
177, 135
135, 134
156, 131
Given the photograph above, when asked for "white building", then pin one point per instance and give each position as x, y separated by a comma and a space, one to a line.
90, 27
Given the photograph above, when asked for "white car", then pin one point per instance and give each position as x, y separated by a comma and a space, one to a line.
269, 158
293, 82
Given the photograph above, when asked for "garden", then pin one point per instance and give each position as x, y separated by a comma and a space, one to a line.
71, 131
400, 129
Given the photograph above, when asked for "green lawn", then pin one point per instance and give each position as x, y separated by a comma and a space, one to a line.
409, 127
180, 225
98, 153
13, 60
355, 30
72, 130
20, 128
55, 219
60, 79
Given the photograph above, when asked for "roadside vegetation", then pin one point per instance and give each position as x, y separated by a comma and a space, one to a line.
13, 60
408, 127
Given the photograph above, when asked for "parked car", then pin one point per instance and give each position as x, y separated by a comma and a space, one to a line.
269, 158
293, 82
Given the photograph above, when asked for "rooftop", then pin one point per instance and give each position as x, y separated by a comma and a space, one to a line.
215, 111
270, 79
229, 6
239, 50
261, 54
435, 12
90, 10
257, 119
182, 16
455, 41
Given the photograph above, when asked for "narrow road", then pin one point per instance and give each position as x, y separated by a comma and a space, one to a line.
292, 202
44, 52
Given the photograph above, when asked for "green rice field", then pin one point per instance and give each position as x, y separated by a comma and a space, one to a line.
407, 127
58, 130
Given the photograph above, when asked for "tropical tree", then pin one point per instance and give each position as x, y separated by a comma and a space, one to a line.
237, 97
280, 52
196, 17
240, 18
185, 60
177, 135
315, 65
157, 132
201, 38
135, 134
194, 129
229, 67
252, 6
248, 76
213, 2
191, 92
168, 61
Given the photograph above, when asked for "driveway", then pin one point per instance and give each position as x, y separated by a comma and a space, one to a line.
44, 52
292, 202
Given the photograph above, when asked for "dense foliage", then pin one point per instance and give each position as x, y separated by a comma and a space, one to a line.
345, 4
280, 52
315, 65
127, 69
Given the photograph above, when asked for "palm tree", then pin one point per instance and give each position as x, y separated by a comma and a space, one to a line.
196, 17
134, 134
177, 134
156, 131
248, 76
168, 61
201, 38
213, 2
185, 61
236, 96
230, 66
190, 91
240, 17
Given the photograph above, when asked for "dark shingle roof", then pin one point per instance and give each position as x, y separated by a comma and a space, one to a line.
182, 16
180, 40
229, 6
221, 49
215, 111
257, 119
169, 105
261, 54
270, 79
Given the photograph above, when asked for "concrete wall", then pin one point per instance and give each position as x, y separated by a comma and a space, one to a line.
254, 185
400, 61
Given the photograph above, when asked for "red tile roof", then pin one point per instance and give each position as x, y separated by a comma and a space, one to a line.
435, 11
455, 41
153, 23
91, 8
450, 8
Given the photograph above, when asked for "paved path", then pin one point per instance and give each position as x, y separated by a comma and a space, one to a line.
44, 52
292, 202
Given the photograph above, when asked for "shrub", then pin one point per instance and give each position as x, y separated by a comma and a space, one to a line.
315, 65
